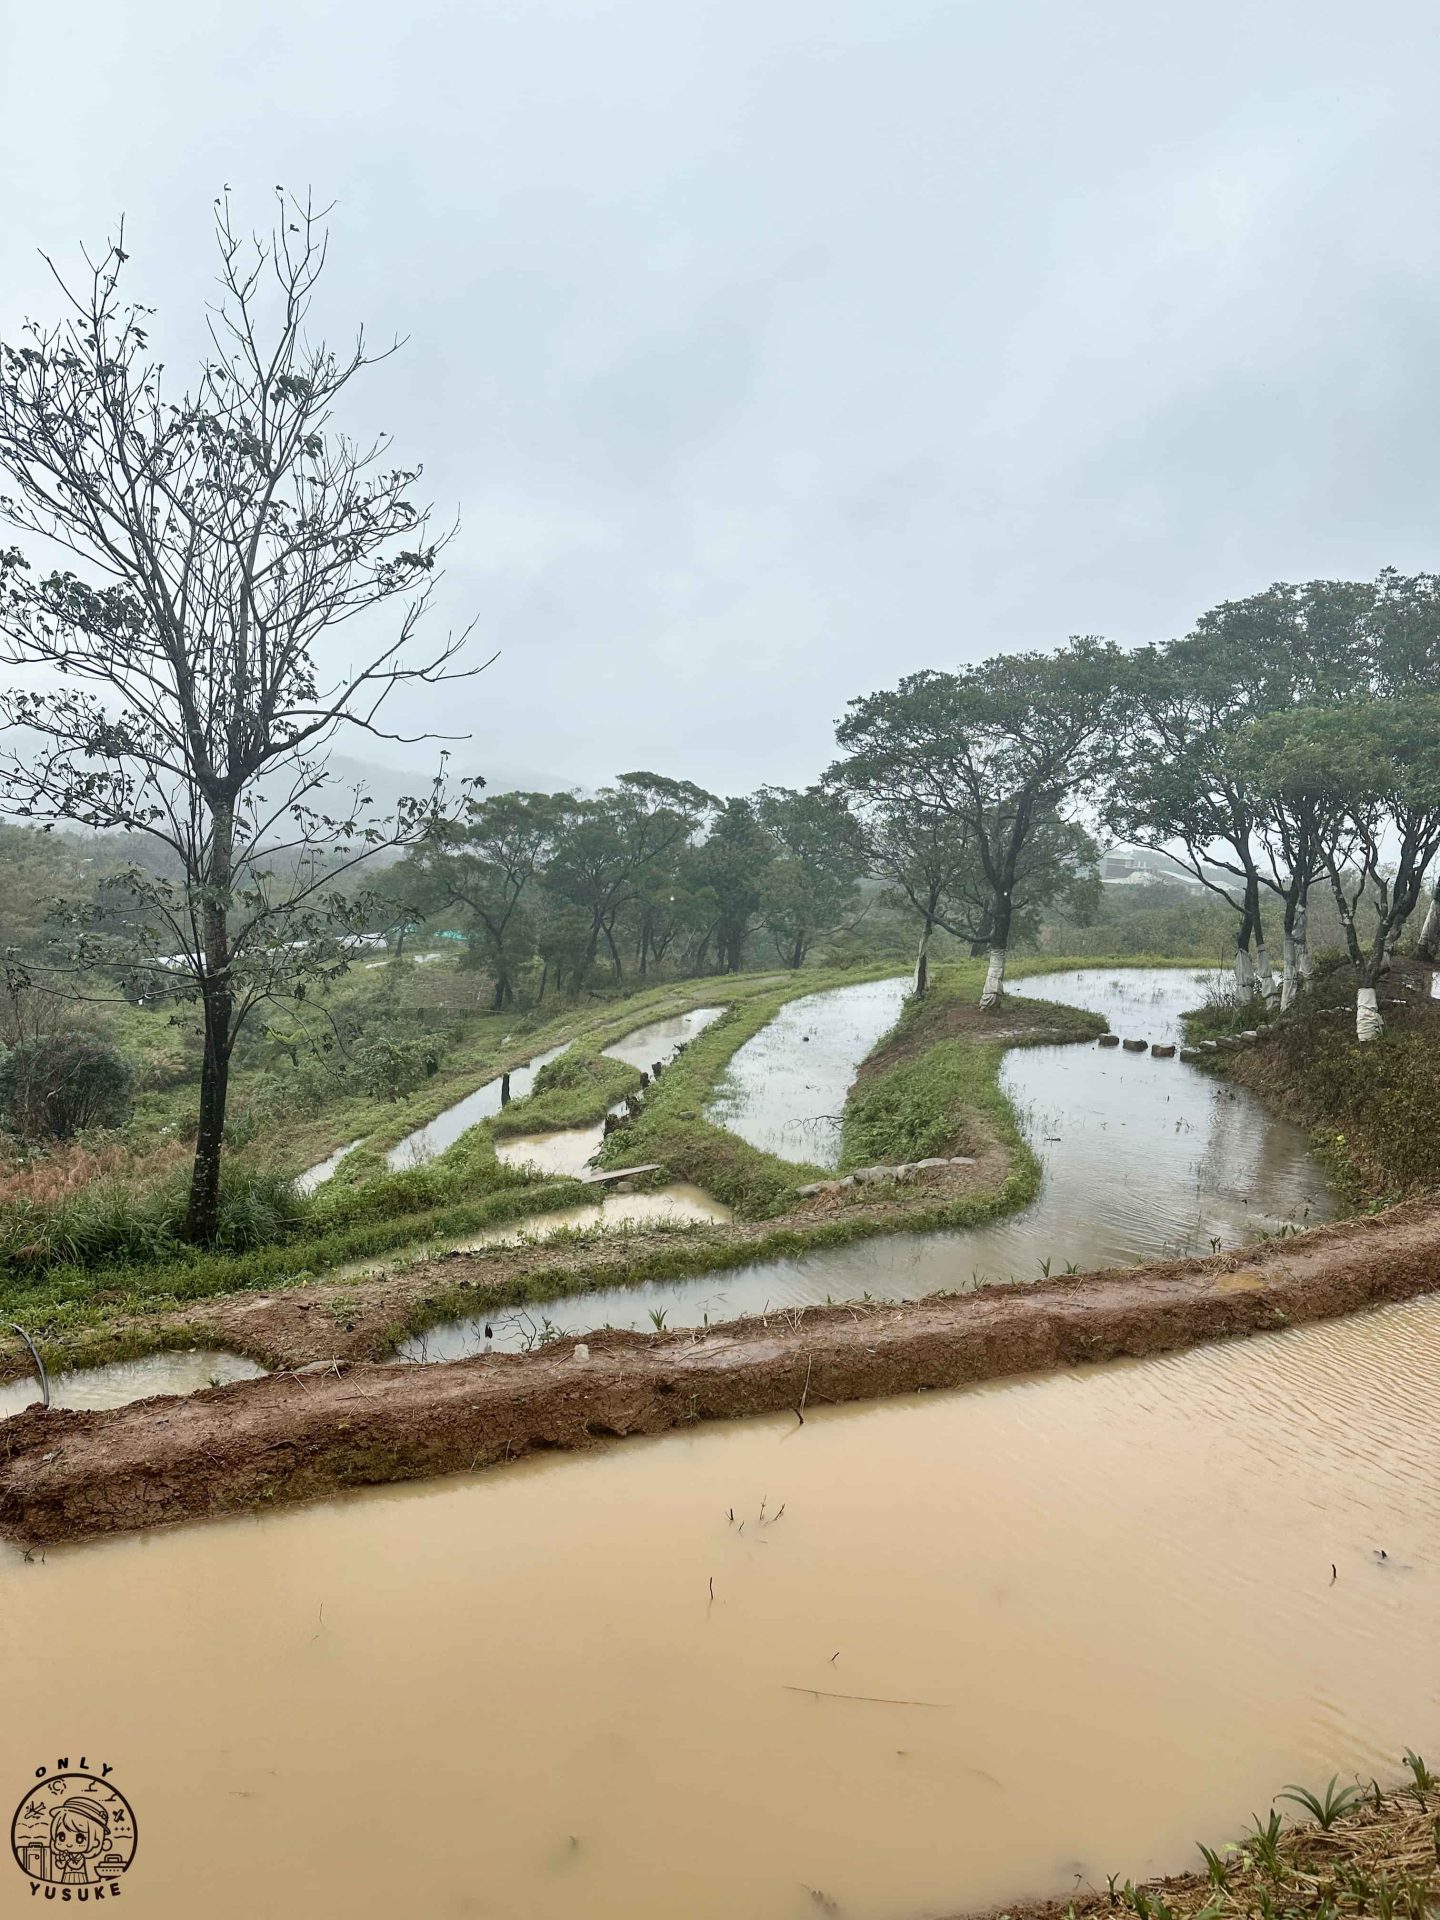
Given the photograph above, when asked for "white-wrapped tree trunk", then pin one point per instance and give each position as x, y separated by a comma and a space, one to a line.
922, 964
1289, 976
1368, 1023
994, 978
1244, 975
1429, 946
1304, 966
1264, 978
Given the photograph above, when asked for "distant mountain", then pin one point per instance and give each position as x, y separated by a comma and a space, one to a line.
386, 785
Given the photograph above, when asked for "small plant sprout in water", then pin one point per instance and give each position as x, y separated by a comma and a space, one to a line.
1425, 1781
657, 1318
1327, 1811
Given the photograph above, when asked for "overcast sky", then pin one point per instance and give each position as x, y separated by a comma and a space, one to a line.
771, 349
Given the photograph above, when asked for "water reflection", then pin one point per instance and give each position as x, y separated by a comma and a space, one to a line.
126, 1380
567, 1154
446, 1128
785, 1089
1141, 1158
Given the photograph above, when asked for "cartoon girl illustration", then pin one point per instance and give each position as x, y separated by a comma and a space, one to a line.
79, 1834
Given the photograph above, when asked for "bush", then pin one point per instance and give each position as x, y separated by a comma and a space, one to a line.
61, 1083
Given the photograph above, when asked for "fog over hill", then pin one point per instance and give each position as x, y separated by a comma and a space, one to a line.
387, 785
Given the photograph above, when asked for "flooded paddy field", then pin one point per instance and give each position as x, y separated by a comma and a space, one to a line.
916, 1657
784, 1090
1141, 1158
568, 1154
182, 1371
446, 1128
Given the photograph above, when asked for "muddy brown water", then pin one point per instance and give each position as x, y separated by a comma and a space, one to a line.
1141, 1158
981, 1644
785, 1088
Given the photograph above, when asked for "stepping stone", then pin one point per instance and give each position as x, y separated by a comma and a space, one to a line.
1136, 1046
1109, 1040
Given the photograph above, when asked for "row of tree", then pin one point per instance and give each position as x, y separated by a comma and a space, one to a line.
184, 555
1290, 741
647, 873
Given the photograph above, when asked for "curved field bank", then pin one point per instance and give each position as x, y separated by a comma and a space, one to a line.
362, 1311
293, 1436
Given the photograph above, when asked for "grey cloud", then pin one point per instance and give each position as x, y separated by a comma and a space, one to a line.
770, 352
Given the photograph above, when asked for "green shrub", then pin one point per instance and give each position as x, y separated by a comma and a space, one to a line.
61, 1083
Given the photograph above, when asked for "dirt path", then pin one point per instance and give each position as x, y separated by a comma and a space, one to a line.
302, 1434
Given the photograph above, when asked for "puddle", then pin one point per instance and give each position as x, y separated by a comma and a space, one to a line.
317, 1175
564, 1155
446, 1128
126, 1380
1107, 1593
1142, 1159
568, 1154
785, 1089
679, 1203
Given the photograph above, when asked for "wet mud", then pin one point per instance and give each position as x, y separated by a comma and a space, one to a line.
309, 1431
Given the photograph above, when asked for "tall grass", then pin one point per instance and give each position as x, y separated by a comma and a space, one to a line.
111, 1219
45, 1177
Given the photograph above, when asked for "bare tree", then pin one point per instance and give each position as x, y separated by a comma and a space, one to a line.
220, 537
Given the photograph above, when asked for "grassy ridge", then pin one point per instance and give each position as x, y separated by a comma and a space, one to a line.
673, 1130
577, 1090
924, 1088
115, 1247
932, 1085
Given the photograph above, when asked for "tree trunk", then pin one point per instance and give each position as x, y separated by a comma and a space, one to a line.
1244, 965
1368, 1022
202, 1213
995, 972
1287, 970
614, 954
994, 979
1290, 938
1345, 907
